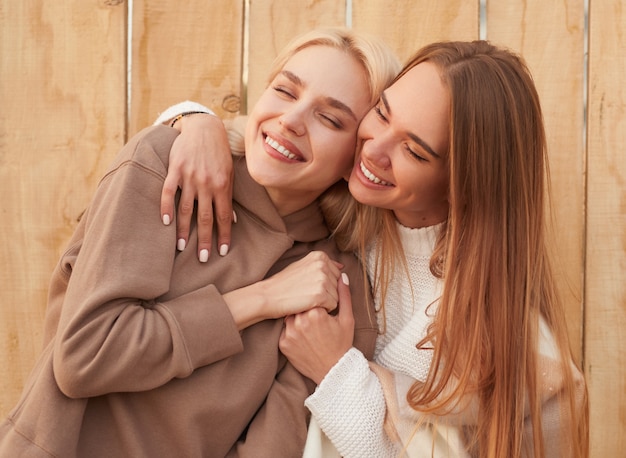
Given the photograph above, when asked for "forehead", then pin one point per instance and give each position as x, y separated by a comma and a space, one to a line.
422, 84
420, 102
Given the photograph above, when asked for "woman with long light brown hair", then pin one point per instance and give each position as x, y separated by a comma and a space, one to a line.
456, 151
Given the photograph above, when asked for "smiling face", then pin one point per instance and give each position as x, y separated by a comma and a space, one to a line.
403, 141
301, 134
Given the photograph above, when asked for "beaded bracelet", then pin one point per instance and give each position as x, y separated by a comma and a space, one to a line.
186, 113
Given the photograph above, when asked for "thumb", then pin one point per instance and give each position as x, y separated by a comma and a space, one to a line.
345, 299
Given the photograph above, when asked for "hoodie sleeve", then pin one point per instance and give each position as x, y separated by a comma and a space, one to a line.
114, 334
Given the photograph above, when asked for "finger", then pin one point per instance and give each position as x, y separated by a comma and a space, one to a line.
183, 218
224, 218
205, 225
168, 194
286, 332
282, 340
345, 301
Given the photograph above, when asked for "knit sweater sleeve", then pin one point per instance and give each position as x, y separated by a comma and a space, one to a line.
180, 108
349, 406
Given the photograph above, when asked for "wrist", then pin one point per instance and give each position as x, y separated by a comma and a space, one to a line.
247, 305
186, 114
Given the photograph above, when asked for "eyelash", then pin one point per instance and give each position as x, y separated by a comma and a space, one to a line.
282, 90
379, 113
415, 155
382, 117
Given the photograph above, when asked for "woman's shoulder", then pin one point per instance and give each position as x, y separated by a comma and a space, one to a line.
148, 148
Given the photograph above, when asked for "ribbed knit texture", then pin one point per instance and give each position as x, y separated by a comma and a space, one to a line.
182, 107
349, 404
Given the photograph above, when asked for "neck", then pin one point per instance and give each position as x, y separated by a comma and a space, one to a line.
289, 202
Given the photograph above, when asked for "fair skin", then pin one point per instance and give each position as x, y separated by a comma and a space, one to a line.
299, 141
215, 188
300, 131
403, 143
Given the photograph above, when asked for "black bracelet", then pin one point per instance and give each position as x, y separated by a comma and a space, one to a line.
186, 113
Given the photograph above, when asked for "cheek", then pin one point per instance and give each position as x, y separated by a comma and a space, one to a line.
439, 188
335, 150
345, 156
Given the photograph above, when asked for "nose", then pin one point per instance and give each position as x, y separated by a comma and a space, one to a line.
293, 120
376, 145
376, 154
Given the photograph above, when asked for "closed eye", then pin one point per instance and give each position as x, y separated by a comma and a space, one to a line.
283, 90
331, 121
379, 113
414, 154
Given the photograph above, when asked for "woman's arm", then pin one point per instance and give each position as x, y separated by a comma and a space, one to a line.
201, 166
349, 403
123, 326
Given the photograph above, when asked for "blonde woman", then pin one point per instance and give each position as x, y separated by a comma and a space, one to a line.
153, 353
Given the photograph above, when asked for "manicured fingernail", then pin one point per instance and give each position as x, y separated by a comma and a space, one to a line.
204, 255
234, 217
345, 279
223, 249
181, 244
166, 219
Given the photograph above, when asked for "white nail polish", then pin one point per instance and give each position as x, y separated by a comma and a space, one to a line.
234, 217
223, 249
204, 255
345, 279
166, 220
181, 244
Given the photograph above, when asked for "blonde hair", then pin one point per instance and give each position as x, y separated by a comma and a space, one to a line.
492, 256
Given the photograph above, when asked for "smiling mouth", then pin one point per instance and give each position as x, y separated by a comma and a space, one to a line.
371, 177
280, 148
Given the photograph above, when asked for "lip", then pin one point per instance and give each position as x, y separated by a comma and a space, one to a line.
277, 146
362, 171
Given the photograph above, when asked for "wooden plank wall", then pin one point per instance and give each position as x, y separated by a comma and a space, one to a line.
65, 112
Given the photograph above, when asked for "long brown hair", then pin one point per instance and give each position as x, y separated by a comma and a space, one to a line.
492, 255
497, 276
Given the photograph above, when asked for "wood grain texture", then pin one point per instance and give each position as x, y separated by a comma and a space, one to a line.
273, 24
192, 52
409, 24
62, 118
605, 268
550, 36
64, 114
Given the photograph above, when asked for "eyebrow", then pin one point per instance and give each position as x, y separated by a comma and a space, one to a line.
413, 137
331, 101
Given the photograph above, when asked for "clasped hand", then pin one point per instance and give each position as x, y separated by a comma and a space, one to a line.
315, 340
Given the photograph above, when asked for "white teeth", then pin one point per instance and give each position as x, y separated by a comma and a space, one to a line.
370, 176
280, 148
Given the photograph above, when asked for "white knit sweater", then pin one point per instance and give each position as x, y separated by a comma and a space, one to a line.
349, 404
354, 400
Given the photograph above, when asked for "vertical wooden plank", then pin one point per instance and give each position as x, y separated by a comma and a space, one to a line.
605, 279
62, 94
185, 51
273, 23
549, 34
407, 25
